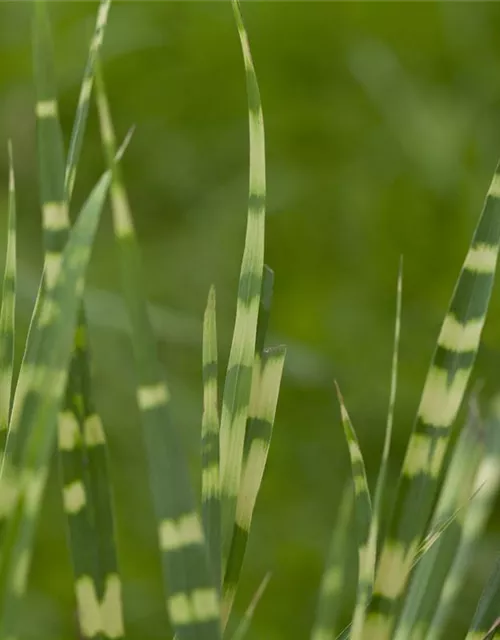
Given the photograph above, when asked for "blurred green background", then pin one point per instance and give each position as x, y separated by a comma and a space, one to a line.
383, 131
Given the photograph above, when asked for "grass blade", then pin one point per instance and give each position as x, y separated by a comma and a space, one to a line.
82, 446
39, 402
333, 580
246, 621
443, 392
446, 528
485, 622
7, 312
486, 486
237, 387
362, 504
210, 486
82, 109
193, 600
265, 390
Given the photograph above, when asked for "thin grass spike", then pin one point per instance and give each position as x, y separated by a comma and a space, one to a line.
363, 510
236, 396
7, 311
246, 621
444, 388
77, 134
210, 486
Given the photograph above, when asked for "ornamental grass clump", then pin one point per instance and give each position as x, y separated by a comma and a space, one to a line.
407, 582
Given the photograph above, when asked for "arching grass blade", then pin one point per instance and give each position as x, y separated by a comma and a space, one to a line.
333, 580
237, 387
210, 476
7, 311
193, 600
443, 392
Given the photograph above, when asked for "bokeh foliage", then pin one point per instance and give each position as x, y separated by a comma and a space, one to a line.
383, 127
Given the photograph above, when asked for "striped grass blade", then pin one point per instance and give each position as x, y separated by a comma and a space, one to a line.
193, 600
367, 550
266, 382
246, 621
486, 620
443, 392
7, 311
485, 490
82, 446
445, 530
39, 399
210, 477
334, 575
237, 388
78, 133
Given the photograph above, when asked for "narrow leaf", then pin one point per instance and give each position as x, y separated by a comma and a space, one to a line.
443, 392
7, 312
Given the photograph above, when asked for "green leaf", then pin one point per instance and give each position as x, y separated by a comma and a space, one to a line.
210, 476
367, 550
443, 392
39, 397
268, 371
7, 312
237, 388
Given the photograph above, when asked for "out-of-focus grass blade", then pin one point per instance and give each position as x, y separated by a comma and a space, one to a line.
40, 397
485, 622
367, 550
193, 600
78, 132
7, 311
486, 486
50, 146
333, 580
446, 529
246, 621
444, 388
265, 391
210, 477
237, 388
82, 447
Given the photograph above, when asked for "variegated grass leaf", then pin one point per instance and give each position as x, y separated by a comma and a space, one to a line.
39, 399
445, 530
78, 133
210, 477
486, 487
237, 388
363, 509
486, 620
443, 392
333, 579
266, 382
7, 311
193, 599
82, 445
246, 621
